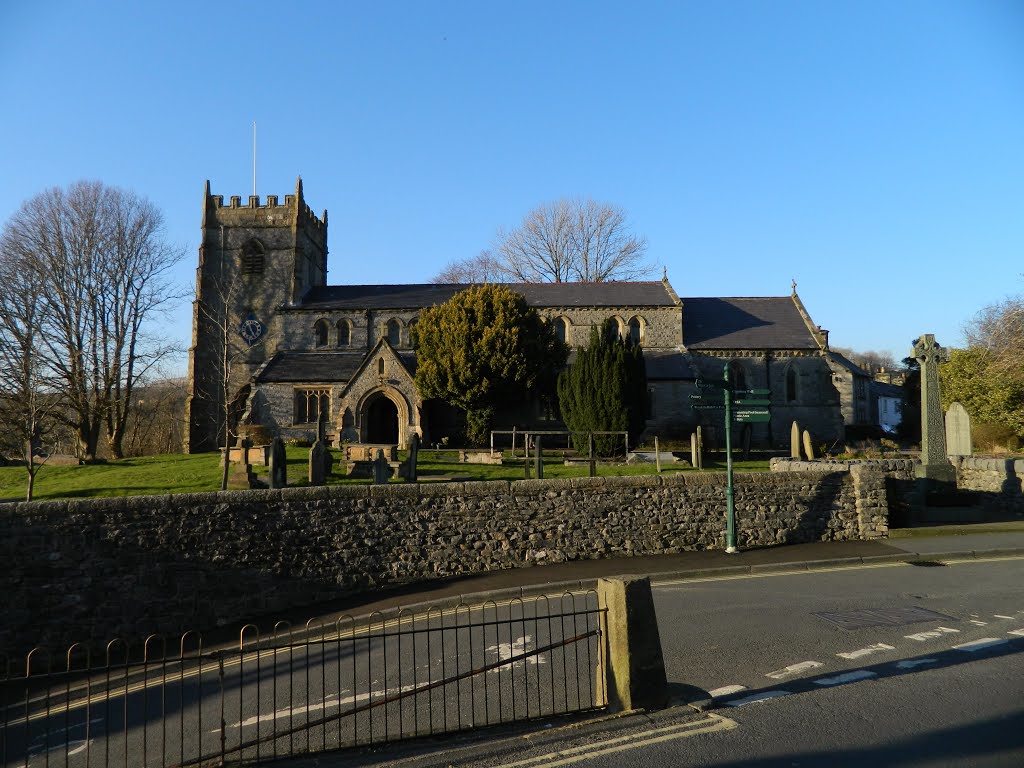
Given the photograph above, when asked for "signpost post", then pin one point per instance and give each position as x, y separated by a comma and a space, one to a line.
751, 407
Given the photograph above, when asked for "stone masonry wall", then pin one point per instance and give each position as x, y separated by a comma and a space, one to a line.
91, 570
998, 479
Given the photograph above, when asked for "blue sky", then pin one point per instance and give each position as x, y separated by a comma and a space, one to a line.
872, 151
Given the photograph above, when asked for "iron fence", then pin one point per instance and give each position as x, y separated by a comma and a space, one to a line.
311, 688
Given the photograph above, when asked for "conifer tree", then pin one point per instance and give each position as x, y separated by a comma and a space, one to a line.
604, 390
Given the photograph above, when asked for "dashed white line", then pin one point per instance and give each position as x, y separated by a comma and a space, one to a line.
980, 645
726, 690
977, 623
931, 634
793, 669
764, 696
1001, 616
1018, 632
848, 677
911, 663
876, 648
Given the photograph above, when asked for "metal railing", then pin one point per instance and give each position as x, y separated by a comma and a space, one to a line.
318, 687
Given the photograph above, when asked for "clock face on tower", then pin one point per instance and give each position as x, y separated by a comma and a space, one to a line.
251, 329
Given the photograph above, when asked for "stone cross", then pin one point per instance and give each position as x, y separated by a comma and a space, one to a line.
958, 430
933, 438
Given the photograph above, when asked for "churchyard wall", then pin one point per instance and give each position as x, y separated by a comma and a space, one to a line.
92, 569
996, 481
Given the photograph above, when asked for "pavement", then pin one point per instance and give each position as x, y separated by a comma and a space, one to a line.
928, 544
936, 542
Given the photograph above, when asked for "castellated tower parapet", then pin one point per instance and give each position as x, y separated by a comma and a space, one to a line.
253, 260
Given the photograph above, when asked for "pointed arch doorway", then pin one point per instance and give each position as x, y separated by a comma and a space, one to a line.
381, 420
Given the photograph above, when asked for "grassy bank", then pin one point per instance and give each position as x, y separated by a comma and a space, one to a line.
177, 473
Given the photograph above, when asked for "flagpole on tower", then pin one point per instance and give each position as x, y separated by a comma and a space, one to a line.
254, 157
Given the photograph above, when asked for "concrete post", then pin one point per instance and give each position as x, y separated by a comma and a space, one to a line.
634, 667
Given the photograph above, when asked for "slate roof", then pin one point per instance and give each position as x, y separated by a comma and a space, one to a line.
744, 323
849, 365
413, 296
320, 366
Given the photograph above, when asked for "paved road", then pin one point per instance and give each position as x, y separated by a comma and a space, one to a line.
795, 687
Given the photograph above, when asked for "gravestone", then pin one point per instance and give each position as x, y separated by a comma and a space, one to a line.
794, 441
381, 469
538, 457
278, 464
935, 471
317, 462
958, 431
414, 451
808, 446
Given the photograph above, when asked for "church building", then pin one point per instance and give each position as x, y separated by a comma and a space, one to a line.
284, 349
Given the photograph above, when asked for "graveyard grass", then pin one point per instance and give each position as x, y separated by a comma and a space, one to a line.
196, 473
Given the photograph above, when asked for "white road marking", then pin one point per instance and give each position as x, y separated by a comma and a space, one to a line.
792, 669
1018, 632
911, 663
977, 623
931, 634
980, 645
506, 651
1000, 616
725, 690
848, 677
710, 724
876, 648
758, 697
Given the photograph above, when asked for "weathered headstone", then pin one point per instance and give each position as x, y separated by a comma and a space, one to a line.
317, 476
414, 450
700, 447
958, 431
794, 441
240, 475
934, 467
538, 457
381, 468
808, 446
278, 464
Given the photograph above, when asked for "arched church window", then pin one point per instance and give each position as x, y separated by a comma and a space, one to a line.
562, 329
635, 330
320, 333
344, 333
380, 366
791, 379
252, 258
738, 375
394, 332
613, 328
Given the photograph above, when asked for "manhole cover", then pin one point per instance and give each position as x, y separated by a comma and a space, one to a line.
878, 617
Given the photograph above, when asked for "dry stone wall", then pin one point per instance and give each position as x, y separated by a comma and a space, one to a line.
996, 481
91, 570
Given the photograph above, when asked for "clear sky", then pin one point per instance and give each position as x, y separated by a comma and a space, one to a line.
872, 151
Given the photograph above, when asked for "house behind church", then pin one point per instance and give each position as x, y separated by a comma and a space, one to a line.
286, 349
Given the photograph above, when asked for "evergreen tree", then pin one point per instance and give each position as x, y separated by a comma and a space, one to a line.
483, 349
605, 390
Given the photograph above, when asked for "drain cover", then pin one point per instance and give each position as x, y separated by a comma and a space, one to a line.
878, 617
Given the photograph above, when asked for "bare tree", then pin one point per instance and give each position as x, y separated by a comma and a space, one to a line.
573, 240
999, 329
871, 361
233, 345
482, 268
154, 424
100, 250
28, 400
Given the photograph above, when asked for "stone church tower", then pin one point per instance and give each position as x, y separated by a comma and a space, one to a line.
253, 260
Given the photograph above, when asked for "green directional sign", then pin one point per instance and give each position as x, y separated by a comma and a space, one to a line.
745, 392
713, 397
752, 415
709, 407
752, 401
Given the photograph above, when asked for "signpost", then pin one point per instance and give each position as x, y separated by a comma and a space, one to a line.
745, 406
